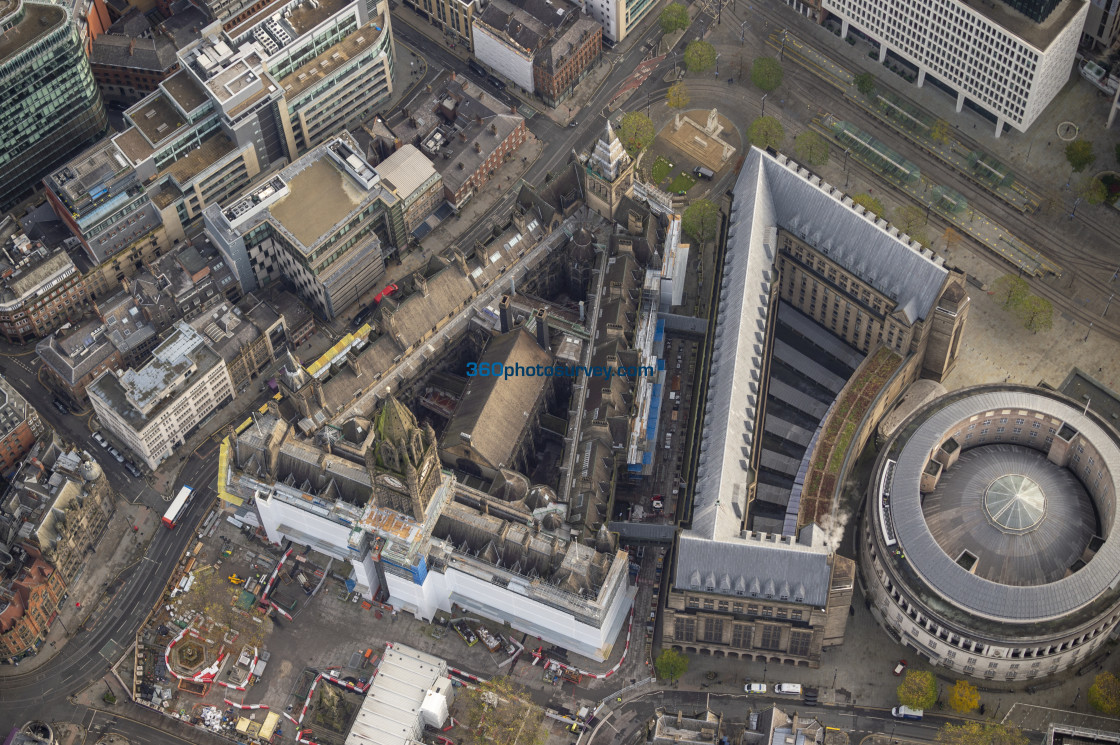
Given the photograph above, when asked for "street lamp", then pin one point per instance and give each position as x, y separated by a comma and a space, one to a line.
764, 95
847, 175
743, 30
782, 51
1108, 304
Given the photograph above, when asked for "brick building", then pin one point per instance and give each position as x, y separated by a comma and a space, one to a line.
73, 359
564, 62
29, 601
129, 68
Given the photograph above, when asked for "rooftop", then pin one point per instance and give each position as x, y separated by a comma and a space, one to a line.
208, 152
156, 118
38, 21
88, 177
391, 710
132, 144
1038, 35
74, 353
405, 171
317, 68
771, 194
13, 408
977, 595
156, 54
185, 90
320, 196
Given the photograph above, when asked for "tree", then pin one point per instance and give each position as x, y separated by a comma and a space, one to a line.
498, 712
869, 203
699, 56
981, 733
1037, 313
636, 132
910, 218
951, 238
940, 131
766, 131
701, 220
1093, 191
670, 665
674, 18
964, 697
678, 96
1080, 155
918, 690
1104, 694
811, 148
766, 74
1011, 290
865, 83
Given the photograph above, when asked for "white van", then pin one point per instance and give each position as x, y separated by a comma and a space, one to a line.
905, 712
790, 689
754, 688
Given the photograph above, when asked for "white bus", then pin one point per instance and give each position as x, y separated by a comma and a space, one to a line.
177, 505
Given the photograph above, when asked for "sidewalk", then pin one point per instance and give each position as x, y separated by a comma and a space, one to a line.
117, 553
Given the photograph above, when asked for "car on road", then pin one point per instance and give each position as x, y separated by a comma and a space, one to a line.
116, 454
62, 408
905, 712
900, 668
132, 469
754, 688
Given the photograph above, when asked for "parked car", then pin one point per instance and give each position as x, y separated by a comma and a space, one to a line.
789, 689
900, 667
62, 409
389, 290
754, 688
116, 454
131, 468
100, 440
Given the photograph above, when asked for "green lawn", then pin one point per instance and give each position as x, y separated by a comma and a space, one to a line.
682, 183
661, 169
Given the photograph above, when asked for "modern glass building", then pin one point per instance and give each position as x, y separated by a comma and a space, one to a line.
49, 102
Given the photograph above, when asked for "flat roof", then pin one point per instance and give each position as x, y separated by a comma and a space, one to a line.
304, 17
208, 152
405, 171
185, 90
38, 21
132, 143
390, 712
156, 118
318, 67
319, 196
1038, 35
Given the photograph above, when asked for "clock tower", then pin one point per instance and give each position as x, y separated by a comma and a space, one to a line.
403, 462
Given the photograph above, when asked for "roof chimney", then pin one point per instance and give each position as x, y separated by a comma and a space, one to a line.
505, 314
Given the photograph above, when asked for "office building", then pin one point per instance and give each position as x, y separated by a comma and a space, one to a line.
247, 336
618, 17
411, 177
543, 46
49, 102
990, 55
455, 17
153, 409
989, 538
314, 225
40, 288
20, 426
1102, 24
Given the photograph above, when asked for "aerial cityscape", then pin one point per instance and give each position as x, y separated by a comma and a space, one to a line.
537, 372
